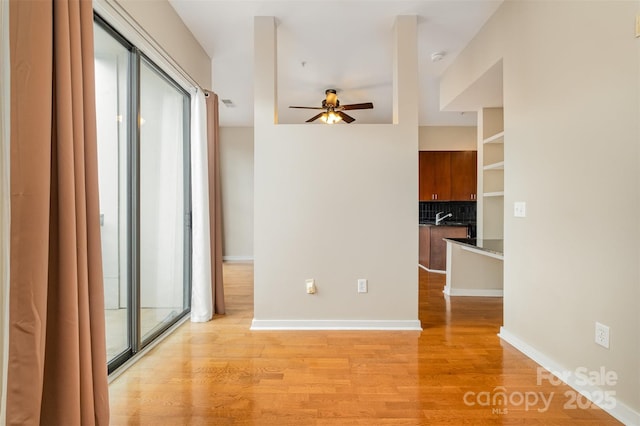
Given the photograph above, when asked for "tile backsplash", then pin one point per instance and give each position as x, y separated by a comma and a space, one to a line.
463, 211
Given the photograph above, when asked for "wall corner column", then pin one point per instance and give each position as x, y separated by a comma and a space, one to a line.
265, 74
405, 70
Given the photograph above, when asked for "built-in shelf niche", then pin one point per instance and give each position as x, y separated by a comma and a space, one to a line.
491, 173
498, 165
493, 180
498, 138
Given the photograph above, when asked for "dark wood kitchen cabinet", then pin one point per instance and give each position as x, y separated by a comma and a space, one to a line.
432, 253
435, 175
447, 175
464, 175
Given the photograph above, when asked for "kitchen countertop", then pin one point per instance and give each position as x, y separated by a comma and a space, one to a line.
490, 246
445, 223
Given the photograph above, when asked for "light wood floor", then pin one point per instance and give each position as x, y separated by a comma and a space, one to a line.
116, 325
221, 373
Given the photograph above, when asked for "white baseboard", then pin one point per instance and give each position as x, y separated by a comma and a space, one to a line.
477, 292
237, 258
412, 325
621, 411
437, 271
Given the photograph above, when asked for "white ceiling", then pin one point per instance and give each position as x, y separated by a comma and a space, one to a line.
346, 45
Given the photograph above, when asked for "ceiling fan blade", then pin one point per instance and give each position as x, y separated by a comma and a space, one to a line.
366, 105
314, 118
300, 107
347, 118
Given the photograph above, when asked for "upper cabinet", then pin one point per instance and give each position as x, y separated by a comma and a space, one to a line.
464, 175
435, 175
448, 175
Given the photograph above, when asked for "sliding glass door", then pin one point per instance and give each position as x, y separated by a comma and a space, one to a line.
143, 159
163, 199
112, 65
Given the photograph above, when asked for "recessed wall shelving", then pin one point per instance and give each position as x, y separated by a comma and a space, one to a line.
497, 138
495, 166
491, 143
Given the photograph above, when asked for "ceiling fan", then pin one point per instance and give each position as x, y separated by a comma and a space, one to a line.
333, 111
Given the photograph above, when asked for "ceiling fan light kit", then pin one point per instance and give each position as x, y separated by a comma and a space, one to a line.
330, 117
333, 111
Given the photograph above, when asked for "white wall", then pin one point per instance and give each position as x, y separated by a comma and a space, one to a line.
447, 138
571, 112
236, 163
336, 203
162, 23
236, 168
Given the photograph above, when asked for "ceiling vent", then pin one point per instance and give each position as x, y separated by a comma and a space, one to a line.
227, 102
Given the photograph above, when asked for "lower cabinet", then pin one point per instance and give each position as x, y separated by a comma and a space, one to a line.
433, 249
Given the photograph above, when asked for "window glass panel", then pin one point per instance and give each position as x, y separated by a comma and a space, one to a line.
112, 71
162, 200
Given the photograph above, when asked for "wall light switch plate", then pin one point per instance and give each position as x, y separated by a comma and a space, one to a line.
311, 286
362, 286
520, 209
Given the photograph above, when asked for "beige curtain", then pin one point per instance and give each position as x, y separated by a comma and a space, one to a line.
4, 204
57, 357
215, 202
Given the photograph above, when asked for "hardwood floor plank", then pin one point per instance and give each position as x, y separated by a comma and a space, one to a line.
222, 373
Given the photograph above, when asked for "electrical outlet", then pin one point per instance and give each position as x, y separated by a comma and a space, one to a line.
311, 286
362, 286
602, 335
520, 209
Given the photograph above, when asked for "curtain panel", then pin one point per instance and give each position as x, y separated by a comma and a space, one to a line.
207, 286
201, 290
57, 357
215, 201
4, 203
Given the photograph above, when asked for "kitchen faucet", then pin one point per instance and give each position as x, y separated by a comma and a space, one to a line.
441, 218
